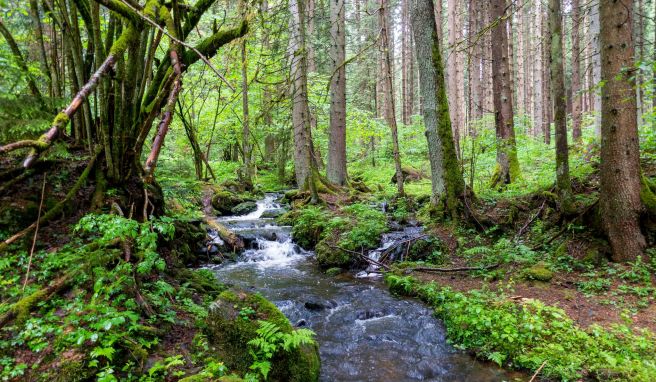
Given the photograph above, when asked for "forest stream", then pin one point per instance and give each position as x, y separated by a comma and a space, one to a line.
364, 333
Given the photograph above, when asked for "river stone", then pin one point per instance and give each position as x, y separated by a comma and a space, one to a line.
229, 331
224, 201
316, 305
244, 208
272, 214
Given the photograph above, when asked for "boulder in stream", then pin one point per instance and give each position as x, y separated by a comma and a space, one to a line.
233, 321
224, 201
244, 208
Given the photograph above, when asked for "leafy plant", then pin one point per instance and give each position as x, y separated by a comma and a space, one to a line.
271, 339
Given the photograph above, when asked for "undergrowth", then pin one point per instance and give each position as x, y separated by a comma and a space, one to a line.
528, 334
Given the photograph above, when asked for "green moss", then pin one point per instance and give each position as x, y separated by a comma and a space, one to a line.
61, 120
538, 272
129, 35
647, 195
334, 271
329, 255
232, 323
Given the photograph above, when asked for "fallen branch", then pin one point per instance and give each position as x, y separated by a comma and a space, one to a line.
226, 234
537, 371
36, 232
61, 120
389, 250
362, 256
24, 306
460, 269
528, 223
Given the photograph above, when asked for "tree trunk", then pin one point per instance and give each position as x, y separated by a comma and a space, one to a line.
447, 183
336, 168
245, 132
547, 101
507, 163
596, 65
576, 73
303, 162
455, 70
390, 114
619, 196
563, 184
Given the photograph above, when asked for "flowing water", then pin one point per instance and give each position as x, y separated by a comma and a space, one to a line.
364, 333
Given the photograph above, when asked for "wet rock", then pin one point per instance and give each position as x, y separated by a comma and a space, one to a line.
244, 208
301, 323
316, 305
273, 213
368, 315
224, 201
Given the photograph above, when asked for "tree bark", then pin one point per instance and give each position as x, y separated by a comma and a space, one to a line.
447, 182
507, 163
576, 73
303, 162
390, 114
619, 196
563, 184
336, 168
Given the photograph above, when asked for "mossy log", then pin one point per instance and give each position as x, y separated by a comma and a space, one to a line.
21, 309
231, 238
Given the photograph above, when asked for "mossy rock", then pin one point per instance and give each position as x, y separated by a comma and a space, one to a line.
329, 256
224, 201
233, 321
334, 271
538, 272
244, 208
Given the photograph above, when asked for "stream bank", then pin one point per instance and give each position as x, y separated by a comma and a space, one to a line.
364, 333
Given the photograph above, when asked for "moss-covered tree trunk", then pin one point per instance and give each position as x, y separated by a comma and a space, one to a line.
304, 165
563, 184
448, 186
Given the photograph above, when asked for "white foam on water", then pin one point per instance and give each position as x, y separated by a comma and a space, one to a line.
268, 203
273, 254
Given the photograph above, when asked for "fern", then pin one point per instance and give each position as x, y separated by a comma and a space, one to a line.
270, 339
